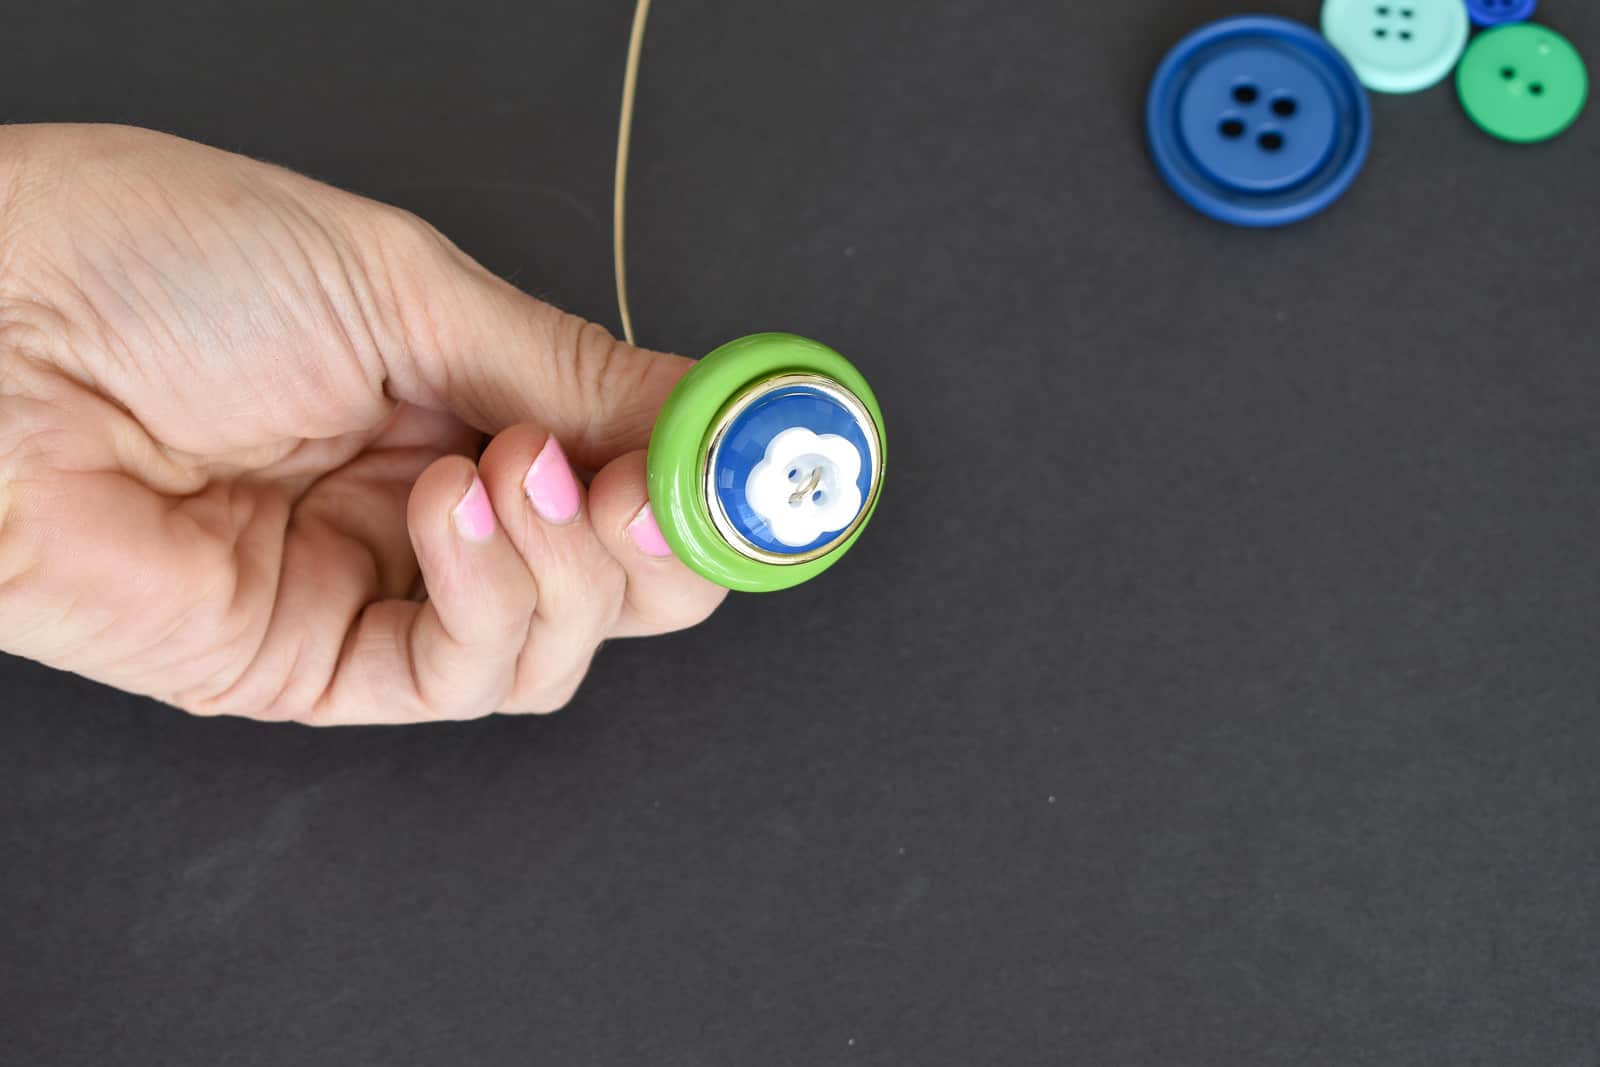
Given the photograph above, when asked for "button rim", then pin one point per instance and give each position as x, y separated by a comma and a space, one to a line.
1239, 207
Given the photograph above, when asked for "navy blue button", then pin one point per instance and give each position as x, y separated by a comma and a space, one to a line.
1257, 121
1494, 12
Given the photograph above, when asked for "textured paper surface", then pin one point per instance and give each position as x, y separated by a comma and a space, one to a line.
1216, 685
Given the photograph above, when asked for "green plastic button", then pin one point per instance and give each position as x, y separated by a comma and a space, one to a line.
1397, 46
1522, 82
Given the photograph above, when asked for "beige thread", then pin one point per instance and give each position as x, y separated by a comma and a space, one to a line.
811, 483
630, 87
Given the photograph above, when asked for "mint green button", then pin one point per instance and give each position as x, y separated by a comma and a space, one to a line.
1522, 82
1397, 46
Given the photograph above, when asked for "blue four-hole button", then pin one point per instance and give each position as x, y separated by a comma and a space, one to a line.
1257, 121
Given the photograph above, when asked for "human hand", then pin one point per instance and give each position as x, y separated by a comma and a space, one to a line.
238, 411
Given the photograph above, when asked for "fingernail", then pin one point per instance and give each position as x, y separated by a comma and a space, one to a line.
645, 534
474, 517
551, 486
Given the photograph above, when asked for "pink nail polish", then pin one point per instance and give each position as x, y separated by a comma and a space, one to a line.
551, 486
645, 534
474, 516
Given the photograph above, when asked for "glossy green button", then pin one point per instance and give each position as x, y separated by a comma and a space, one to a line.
1522, 82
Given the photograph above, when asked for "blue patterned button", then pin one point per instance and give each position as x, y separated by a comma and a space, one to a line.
793, 470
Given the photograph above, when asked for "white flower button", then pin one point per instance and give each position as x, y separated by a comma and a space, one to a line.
805, 486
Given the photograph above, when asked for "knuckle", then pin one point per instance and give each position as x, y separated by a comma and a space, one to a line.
595, 352
279, 711
553, 692
405, 259
557, 697
596, 368
411, 238
610, 582
682, 611
456, 711
272, 689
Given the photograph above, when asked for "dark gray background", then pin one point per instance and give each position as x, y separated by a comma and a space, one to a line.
1217, 684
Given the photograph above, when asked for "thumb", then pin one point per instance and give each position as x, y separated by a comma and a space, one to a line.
494, 356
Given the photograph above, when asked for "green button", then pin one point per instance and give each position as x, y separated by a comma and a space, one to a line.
1522, 82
